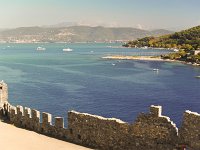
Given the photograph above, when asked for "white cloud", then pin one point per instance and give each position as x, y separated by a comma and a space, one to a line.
139, 26
99, 23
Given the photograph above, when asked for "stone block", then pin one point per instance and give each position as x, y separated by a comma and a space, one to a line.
59, 122
156, 110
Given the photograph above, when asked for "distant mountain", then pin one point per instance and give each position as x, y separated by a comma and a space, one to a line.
76, 34
61, 25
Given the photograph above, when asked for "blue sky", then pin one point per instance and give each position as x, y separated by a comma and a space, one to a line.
146, 14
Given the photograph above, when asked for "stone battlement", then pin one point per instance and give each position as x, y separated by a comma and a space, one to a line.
151, 131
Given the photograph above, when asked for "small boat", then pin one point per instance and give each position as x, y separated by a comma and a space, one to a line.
155, 69
198, 77
67, 49
113, 64
176, 50
145, 47
41, 48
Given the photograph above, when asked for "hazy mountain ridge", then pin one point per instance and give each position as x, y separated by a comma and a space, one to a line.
76, 34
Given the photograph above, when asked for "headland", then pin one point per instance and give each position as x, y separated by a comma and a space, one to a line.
185, 44
147, 58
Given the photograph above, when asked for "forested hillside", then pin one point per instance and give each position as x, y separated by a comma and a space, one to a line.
186, 39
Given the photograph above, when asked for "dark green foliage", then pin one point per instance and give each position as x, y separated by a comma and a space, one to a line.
178, 56
186, 39
182, 55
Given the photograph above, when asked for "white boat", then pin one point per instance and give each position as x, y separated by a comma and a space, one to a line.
67, 49
176, 50
155, 69
41, 48
145, 47
198, 77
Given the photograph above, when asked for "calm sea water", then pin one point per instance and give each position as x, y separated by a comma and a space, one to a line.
55, 81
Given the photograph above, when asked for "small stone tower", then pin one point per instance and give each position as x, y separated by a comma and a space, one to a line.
3, 92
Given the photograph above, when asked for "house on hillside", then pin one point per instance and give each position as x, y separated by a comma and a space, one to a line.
196, 52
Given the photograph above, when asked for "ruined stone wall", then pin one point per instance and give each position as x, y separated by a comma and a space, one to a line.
189, 133
154, 131
98, 132
151, 131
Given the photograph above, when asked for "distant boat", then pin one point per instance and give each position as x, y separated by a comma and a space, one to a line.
155, 69
113, 64
198, 77
41, 48
67, 49
145, 47
176, 50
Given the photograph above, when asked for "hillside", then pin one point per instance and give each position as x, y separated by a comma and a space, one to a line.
186, 39
75, 34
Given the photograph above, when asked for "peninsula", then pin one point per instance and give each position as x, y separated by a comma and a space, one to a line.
149, 58
186, 45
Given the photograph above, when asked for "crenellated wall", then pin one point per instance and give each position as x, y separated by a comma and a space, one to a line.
98, 132
154, 130
151, 131
30, 119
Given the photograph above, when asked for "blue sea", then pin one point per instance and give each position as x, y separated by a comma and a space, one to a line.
55, 81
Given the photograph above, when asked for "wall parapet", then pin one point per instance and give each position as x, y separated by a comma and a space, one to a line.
151, 131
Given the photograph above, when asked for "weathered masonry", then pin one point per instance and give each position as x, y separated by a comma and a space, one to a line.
3, 92
151, 131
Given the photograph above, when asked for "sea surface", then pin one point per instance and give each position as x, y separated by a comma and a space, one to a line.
55, 81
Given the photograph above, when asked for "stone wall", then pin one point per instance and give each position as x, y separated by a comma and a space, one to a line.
151, 131
30, 119
98, 132
189, 133
3, 92
154, 131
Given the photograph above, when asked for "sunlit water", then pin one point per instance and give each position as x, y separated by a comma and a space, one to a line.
56, 82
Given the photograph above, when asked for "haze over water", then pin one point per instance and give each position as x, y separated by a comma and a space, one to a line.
56, 82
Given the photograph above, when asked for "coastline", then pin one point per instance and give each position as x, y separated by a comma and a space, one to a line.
148, 58
145, 58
